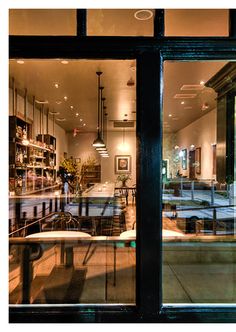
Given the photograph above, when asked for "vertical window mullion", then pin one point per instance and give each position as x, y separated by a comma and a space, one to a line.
159, 23
149, 259
81, 16
232, 23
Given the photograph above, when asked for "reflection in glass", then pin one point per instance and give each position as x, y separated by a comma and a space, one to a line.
72, 224
199, 182
45, 22
120, 22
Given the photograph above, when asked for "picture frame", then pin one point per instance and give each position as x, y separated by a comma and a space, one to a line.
198, 160
122, 164
184, 159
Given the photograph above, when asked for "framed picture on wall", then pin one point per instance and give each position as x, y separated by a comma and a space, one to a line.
184, 159
122, 164
198, 160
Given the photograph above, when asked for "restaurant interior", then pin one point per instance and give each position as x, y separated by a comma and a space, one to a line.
73, 158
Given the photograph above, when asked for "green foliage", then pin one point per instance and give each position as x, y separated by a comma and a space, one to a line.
70, 166
123, 177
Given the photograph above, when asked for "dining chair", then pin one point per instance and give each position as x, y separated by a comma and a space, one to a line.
134, 192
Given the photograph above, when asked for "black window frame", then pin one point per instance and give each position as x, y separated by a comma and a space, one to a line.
149, 53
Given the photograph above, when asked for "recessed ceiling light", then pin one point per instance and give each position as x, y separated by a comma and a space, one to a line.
54, 112
20, 62
61, 119
80, 120
143, 14
58, 102
202, 82
71, 107
65, 98
170, 115
64, 62
182, 102
56, 85
41, 101
84, 124
77, 114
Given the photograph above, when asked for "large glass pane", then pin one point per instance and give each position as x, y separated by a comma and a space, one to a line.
199, 182
48, 22
197, 22
72, 207
120, 22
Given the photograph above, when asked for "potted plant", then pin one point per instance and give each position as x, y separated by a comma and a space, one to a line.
123, 178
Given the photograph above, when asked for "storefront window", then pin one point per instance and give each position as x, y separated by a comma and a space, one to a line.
199, 182
45, 22
197, 22
120, 22
72, 207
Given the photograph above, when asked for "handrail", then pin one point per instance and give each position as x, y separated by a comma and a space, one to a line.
34, 222
204, 207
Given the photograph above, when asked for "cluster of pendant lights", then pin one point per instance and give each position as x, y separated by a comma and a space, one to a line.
98, 143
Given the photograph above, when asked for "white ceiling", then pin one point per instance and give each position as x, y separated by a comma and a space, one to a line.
78, 81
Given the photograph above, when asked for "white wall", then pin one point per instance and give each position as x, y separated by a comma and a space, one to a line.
80, 146
201, 133
114, 140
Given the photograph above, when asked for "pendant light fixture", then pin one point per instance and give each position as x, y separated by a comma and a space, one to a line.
103, 152
98, 142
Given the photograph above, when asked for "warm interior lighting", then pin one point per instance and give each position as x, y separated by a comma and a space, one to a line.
20, 62
41, 101
101, 149
123, 146
181, 154
25, 142
98, 142
143, 14
64, 62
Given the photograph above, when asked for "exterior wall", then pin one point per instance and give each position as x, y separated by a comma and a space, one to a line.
200, 133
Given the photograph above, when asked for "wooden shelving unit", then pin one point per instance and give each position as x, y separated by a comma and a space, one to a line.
31, 162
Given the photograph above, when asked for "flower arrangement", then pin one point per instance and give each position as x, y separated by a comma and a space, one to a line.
123, 178
70, 172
